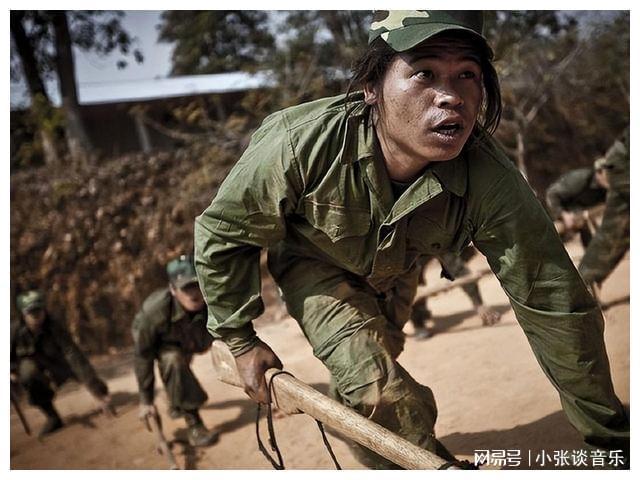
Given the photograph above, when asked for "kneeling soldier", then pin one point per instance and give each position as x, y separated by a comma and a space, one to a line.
170, 328
43, 357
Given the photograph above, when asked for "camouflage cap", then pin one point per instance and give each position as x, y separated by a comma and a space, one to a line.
404, 29
181, 271
30, 300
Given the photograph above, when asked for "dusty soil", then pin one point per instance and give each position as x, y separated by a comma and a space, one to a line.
491, 395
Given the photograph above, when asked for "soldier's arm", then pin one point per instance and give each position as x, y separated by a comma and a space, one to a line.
80, 365
610, 242
562, 322
248, 214
144, 342
566, 188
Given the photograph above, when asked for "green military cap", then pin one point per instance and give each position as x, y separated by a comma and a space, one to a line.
404, 29
600, 163
31, 300
181, 271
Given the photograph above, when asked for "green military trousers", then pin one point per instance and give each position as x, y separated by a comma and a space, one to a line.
35, 382
358, 337
183, 389
38, 379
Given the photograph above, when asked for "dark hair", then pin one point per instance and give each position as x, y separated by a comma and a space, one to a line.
372, 65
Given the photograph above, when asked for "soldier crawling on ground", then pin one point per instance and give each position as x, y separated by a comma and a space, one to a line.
569, 197
44, 356
169, 328
611, 240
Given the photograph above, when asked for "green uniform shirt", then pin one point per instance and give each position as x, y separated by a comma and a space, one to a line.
575, 190
54, 351
162, 324
313, 182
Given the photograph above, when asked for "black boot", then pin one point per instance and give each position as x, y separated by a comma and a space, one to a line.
53, 422
198, 434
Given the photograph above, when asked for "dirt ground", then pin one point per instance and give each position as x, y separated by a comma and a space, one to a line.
491, 395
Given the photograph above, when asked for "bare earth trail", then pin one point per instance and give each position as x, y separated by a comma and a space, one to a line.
491, 395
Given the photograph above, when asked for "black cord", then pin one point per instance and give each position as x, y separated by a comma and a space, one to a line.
279, 464
328, 445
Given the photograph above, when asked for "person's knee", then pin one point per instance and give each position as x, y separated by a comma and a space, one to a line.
172, 359
28, 372
364, 380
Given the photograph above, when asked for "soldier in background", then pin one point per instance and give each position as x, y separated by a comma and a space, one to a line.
573, 193
453, 267
611, 241
43, 357
169, 329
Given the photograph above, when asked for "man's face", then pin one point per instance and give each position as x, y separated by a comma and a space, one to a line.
189, 297
602, 178
429, 100
34, 319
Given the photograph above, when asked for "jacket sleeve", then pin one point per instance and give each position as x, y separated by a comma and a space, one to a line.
563, 190
247, 214
562, 322
80, 366
144, 341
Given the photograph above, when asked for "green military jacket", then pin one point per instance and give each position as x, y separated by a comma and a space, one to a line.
575, 190
163, 324
313, 183
54, 351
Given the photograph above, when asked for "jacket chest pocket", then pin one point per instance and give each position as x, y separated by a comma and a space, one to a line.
338, 222
428, 238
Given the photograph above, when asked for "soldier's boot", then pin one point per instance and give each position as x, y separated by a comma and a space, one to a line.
53, 422
198, 434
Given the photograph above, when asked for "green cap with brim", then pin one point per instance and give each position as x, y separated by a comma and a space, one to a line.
404, 29
600, 163
181, 271
31, 300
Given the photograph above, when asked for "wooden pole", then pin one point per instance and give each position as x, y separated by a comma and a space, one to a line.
293, 396
161, 443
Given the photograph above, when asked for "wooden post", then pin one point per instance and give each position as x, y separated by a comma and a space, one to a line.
294, 396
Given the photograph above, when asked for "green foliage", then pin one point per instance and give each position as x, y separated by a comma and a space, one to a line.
26, 144
100, 32
565, 85
317, 51
216, 40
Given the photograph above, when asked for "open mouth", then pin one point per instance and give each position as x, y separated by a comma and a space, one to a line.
448, 129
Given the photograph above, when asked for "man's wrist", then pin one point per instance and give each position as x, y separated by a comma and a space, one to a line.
241, 340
